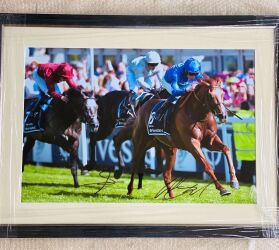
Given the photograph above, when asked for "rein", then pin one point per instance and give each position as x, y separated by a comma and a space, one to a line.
230, 111
233, 113
185, 100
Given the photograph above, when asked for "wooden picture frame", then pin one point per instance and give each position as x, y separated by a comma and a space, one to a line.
257, 221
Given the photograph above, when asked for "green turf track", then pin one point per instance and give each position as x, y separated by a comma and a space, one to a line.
44, 184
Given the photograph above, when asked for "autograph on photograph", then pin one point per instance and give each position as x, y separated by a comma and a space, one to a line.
177, 184
109, 180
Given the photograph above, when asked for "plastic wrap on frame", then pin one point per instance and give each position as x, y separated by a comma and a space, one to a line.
80, 230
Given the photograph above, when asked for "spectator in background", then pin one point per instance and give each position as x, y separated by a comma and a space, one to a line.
227, 97
245, 143
237, 89
109, 82
250, 82
81, 77
99, 71
240, 95
112, 83
121, 75
232, 85
31, 89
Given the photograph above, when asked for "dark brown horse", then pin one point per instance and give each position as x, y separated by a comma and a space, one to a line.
63, 126
193, 127
107, 115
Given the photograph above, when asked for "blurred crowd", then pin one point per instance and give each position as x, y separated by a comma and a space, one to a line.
238, 86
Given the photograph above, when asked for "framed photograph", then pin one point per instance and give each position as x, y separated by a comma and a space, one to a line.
138, 126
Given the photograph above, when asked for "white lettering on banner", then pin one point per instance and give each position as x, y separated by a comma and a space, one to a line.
111, 152
126, 149
102, 147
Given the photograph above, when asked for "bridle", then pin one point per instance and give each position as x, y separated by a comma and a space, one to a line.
207, 104
86, 118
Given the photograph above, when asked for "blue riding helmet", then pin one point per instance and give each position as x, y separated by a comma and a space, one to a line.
192, 65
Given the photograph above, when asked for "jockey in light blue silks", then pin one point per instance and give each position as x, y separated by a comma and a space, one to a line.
140, 72
178, 79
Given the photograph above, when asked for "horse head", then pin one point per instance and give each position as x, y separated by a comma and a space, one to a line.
85, 106
211, 95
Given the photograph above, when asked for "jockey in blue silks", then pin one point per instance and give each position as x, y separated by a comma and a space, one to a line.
178, 79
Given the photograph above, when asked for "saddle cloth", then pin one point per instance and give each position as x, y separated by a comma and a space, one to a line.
161, 127
122, 112
34, 115
127, 107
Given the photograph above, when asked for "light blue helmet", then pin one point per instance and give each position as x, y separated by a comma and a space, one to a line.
193, 66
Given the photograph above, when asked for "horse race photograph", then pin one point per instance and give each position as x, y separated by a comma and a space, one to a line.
119, 125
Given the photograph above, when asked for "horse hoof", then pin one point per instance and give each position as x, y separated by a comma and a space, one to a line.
224, 192
76, 186
171, 194
235, 184
118, 173
89, 166
139, 186
130, 190
85, 172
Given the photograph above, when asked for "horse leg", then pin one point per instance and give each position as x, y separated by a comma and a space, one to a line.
195, 149
137, 161
141, 171
159, 159
74, 167
170, 161
92, 162
28, 145
71, 146
217, 145
141, 163
123, 135
140, 145
74, 161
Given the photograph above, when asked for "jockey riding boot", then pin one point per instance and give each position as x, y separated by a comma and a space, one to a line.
134, 100
163, 108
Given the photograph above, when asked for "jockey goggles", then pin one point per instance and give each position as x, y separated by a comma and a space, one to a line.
192, 73
153, 64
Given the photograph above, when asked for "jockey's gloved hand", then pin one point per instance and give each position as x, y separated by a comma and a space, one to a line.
154, 91
64, 99
177, 92
147, 89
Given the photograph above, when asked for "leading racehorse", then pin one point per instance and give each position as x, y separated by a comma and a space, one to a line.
63, 126
193, 126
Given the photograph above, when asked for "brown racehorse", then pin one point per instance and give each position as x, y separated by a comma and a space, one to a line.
126, 133
193, 127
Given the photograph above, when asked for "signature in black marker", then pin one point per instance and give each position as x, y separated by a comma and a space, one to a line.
177, 184
108, 181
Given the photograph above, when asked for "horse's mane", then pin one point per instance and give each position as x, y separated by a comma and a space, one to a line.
205, 82
73, 93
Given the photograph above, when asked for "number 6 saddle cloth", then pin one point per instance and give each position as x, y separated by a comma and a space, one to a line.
162, 126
